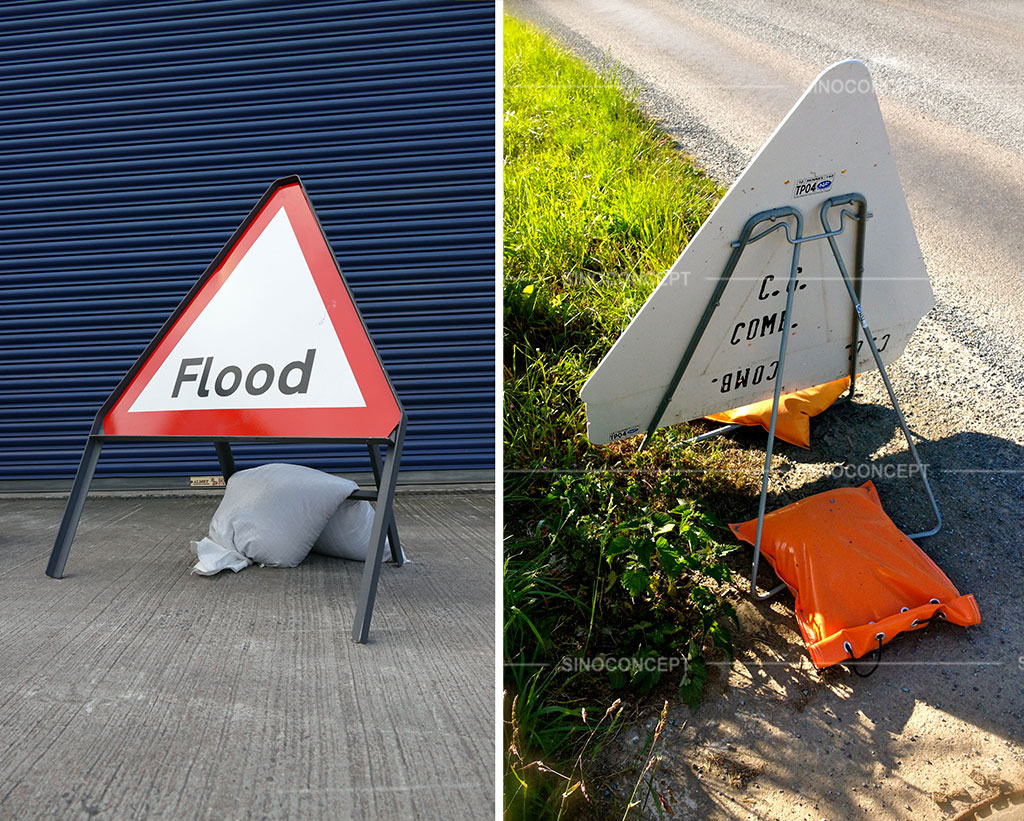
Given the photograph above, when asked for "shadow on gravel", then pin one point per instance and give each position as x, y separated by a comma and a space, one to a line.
942, 717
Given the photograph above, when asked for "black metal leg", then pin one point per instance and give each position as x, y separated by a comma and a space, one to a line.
73, 510
383, 514
226, 459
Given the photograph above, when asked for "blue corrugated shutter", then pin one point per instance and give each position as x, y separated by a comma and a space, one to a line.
136, 136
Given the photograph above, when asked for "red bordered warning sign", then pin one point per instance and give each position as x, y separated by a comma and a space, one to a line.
269, 343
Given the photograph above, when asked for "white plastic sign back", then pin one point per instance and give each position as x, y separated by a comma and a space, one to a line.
832, 142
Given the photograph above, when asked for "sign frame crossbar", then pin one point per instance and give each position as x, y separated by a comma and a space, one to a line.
779, 219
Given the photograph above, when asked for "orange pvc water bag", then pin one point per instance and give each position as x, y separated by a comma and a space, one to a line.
793, 424
857, 579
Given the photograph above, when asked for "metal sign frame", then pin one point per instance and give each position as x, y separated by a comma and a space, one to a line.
779, 219
834, 133
385, 468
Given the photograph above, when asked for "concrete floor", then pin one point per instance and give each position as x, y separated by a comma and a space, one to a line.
132, 689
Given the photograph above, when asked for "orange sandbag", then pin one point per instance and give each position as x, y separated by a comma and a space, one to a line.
795, 411
854, 574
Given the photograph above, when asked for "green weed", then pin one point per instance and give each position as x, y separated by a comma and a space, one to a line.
608, 552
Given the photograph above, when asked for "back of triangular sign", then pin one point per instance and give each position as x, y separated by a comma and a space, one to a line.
832, 142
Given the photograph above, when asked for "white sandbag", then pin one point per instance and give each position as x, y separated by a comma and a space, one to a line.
347, 533
272, 514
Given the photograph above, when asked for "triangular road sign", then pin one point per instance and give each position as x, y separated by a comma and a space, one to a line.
833, 142
267, 344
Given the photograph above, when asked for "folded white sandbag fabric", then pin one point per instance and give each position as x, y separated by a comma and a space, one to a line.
270, 515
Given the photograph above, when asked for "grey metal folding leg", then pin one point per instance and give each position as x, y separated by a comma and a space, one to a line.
396, 547
777, 217
766, 475
853, 291
382, 517
73, 509
747, 237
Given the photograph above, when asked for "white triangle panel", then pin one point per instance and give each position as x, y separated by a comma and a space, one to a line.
258, 327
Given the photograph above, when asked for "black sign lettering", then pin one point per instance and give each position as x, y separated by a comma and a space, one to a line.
758, 327
305, 368
294, 377
184, 375
882, 347
236, 375
202, 390
744, 376
268, 379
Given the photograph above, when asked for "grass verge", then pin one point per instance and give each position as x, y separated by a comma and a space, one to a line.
612, 569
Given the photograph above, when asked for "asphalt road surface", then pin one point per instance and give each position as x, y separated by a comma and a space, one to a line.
943, 726
720, 75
